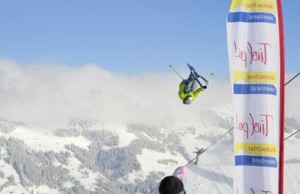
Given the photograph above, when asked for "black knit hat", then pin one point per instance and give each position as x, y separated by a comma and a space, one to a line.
170, 185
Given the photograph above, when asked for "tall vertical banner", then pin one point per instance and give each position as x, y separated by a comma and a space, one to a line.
256, 60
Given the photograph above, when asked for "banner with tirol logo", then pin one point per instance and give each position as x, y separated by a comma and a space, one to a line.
256, 60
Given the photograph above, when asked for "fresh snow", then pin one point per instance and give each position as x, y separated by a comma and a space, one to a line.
8, 171
155, 157
43, 141
44, 189
83, 175
213, 174
125, 137
18, 189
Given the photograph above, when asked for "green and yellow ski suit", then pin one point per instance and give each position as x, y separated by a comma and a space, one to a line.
182, 95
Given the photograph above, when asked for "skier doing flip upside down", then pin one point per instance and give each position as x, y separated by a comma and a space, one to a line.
190, 88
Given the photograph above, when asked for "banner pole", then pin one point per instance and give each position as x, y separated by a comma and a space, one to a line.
282, 97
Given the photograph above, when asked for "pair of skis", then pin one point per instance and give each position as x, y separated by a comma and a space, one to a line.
193, 71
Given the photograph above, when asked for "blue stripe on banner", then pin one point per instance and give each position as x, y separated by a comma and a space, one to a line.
254, 89
263, 161
251, 17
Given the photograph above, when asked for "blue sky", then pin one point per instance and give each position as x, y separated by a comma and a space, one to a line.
132, 36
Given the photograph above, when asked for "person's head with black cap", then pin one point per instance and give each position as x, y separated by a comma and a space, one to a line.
171, 185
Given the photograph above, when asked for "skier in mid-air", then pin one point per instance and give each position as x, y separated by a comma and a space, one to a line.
191, 87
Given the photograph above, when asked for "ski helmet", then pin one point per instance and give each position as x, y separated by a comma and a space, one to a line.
188, 100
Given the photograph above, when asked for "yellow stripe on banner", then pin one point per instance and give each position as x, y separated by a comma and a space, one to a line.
256, 149
254, 5
255, 77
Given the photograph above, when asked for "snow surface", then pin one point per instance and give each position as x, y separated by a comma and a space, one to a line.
8, 170
42, 189
43, 141
214, 172
212, 175
150, 155
122, 131
83, 175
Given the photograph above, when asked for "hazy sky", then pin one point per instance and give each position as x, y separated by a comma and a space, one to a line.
55, 94
109, 60
132, 36
49, 93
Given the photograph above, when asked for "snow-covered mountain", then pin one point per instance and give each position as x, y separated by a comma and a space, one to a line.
92, 157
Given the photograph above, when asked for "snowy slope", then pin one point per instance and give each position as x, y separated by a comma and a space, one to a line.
43, 141
215, 176
90, 160
214, 172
